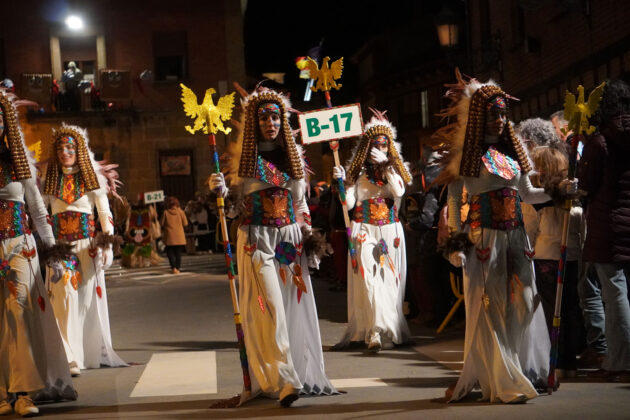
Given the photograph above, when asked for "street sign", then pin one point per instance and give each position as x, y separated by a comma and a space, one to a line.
153, 197
335, 123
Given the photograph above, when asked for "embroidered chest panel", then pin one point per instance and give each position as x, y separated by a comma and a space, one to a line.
267, 172
71, 187
499, 164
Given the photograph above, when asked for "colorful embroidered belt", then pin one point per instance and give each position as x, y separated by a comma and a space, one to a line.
499, 209
12, 220
72, 226
269, 207
376, 211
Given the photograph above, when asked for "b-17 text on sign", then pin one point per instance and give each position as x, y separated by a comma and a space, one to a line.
331, 124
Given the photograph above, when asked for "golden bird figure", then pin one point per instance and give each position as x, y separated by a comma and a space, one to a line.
577, 112
207, 113
325, 76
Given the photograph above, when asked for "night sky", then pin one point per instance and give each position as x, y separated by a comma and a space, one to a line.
279, 31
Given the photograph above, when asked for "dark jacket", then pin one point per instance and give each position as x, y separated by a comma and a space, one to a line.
604, 173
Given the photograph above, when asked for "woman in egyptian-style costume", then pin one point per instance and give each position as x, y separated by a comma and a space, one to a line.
266, 174
376, 288
33, 363
73, 184
507, 346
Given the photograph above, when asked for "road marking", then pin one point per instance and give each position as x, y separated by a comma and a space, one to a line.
357, 382
178, 373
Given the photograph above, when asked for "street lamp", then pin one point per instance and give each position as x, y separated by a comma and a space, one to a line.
447, 28
74, 22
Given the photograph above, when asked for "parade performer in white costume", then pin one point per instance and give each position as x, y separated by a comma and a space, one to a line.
266, 175
506, 345
32, 359
376, 288
74, 183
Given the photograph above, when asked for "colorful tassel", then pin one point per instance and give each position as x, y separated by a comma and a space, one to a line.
285, 253
12, 288
28, 254
261, 303
249, 249
283, 276
99, 292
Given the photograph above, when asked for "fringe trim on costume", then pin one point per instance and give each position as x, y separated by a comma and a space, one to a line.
59, 252
102, 240
314, 243
456, 242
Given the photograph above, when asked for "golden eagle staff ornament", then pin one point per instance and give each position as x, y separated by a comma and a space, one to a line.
325, 79
577, 113
209, 118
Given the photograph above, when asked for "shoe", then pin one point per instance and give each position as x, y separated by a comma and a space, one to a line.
519, 399
288, 400
75, 371
375, 343
590, 360
175, 271
5, 408
24, 406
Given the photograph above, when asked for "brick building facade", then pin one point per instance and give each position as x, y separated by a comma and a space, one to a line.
136, 54
534, 49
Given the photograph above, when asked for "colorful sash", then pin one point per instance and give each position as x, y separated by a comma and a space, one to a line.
71, 187
267, 172
499, 164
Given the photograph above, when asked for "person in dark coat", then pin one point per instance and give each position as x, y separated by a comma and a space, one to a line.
604, 173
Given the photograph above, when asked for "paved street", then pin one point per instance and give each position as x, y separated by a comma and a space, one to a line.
178, 336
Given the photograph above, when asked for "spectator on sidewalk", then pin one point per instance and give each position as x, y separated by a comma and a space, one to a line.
173, 223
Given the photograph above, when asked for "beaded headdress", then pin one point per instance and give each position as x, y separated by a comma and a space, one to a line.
251, 134
9, 103
461, 141
379, 125
84, 160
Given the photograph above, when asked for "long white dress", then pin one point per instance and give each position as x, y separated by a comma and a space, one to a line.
80, 304
376, 290
280, 325
507, 344
32, 356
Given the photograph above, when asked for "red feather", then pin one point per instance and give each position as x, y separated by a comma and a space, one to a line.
99, 292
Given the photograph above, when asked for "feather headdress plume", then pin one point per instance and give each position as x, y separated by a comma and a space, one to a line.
379, 124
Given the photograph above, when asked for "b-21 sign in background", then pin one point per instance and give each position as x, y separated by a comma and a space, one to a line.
331, 124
